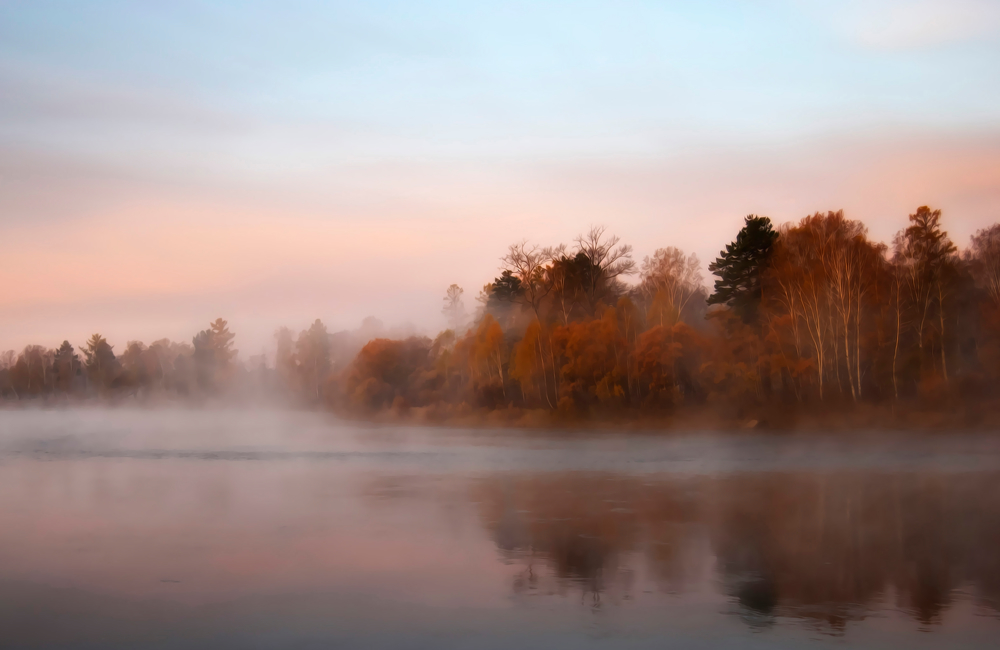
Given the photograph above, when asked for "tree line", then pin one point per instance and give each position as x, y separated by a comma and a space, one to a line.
809, 314
207, 365
812, 314
206, 368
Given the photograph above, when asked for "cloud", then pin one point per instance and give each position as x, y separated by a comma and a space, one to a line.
911, 24
32, 94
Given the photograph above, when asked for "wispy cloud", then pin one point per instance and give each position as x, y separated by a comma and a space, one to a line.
31, 94
911, 24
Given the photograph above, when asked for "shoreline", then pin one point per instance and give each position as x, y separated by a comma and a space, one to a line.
851, 421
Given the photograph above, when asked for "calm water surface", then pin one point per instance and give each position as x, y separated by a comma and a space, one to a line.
261, 529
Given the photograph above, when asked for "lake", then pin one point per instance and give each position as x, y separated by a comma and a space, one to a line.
130, 528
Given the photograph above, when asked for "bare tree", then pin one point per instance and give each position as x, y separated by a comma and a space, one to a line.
899, 316
608, 261
800, 277
527, 264
853, 272
454, 307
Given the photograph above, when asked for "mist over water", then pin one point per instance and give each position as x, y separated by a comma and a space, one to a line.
243, 528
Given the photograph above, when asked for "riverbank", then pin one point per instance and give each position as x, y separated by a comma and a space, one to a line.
800, 418
788, 418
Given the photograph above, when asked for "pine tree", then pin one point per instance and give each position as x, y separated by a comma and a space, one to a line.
741, 266
102, 366
65, 366
222, 343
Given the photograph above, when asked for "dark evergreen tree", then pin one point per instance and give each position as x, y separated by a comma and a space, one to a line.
506, 288
740, 268
66, 367
204, 360
101, 364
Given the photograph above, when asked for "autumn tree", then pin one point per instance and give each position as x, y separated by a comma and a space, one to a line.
927, 258
983, 261
983, 255
855, 265
669, 282
593, 363
898, 318
668, 360
533, 267
488, 354
526, 368
533, 365
818, 310
823, 273
733, 366
631, 324
383, 373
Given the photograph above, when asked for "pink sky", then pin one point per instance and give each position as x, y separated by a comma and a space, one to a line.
163, 167
154, 262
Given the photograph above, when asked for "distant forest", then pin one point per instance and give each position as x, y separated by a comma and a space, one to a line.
809, 317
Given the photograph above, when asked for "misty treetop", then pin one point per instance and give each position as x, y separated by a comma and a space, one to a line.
207, 367
809, 313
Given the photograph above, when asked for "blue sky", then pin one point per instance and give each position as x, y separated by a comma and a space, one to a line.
295, 86
469, 125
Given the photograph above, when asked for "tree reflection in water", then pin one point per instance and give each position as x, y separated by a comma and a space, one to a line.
580, 526
830, 548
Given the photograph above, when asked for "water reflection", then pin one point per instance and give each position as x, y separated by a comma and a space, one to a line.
304, 538
831, 548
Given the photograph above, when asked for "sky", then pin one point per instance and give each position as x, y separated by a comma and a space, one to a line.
166, 163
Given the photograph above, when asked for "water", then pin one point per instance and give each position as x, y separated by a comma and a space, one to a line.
261, 529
